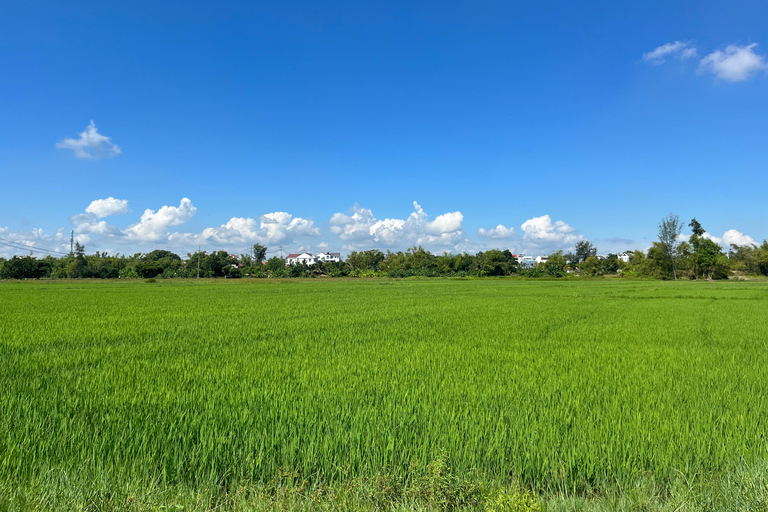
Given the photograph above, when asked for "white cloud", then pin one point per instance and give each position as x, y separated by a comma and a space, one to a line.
735, 63
388, 231
730, 237
499, 232
363, 230
98, 228
271, 228
542, 234
238, 229
733, 237
445, 223
677, 49
105, 207
353, 227
281, 226
153, 226
91, 144
34, 240
88, 222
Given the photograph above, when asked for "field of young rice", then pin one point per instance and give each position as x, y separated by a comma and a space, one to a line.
570, 387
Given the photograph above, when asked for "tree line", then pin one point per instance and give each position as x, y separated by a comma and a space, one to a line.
671, 257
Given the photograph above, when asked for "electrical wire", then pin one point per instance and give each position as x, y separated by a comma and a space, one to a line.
23, 247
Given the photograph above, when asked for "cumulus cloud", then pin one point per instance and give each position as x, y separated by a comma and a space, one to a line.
91, 145
731, 237
362, 229
735, 63
445, 223
98, 228
271, 228
105, 207
499, 232
153, 226
353, 227
279, 226
89, 222
542, 233
679, 49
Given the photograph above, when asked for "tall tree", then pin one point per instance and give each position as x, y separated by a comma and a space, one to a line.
696, 227
670, 228
259, 252
584, 250
709, 260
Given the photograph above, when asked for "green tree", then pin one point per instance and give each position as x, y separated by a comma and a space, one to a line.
22, 267
590, 267
670, 228
160, 254
259, 252
275, 263
365, 260
584, 250
78, 268
496, 263
696, 227
761, 258
611, 264
708, 258
743, 258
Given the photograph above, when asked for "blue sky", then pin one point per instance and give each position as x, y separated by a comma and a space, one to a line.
318, 125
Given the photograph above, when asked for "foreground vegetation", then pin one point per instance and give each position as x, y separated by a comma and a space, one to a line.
402, 394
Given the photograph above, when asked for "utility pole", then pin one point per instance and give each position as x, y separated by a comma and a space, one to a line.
198, 262
71, 241
281, 252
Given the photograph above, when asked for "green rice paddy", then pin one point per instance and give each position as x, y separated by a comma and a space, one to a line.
569, 387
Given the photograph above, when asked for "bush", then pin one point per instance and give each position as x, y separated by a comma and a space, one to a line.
533, 272
517, 501
555, 271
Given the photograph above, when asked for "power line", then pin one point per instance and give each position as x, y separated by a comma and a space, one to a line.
25, 246
31, 249
22, 246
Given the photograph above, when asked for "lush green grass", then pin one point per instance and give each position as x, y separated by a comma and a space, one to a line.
212, 388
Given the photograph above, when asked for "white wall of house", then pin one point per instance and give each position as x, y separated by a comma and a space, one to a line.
306, 258
328, 257
525, 261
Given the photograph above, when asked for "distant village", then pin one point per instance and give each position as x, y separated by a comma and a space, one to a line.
523, 261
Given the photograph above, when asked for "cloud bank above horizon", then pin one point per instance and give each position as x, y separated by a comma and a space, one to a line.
352, 230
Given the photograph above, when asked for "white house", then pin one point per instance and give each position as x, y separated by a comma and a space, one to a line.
524, 261
624, 256
305, 257
328, 257
541, 259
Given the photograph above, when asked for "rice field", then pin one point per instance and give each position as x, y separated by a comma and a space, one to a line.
573, 388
